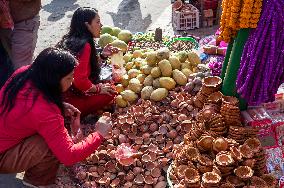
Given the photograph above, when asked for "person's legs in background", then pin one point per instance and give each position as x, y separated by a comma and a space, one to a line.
23, 41
6, 67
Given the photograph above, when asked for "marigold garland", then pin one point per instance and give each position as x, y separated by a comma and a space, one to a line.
238, 14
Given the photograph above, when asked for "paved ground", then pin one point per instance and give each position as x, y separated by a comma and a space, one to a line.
134, 15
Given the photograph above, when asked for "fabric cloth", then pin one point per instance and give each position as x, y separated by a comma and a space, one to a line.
23, 41
22, 10
86, 103
29, 117
33, 156
6, 21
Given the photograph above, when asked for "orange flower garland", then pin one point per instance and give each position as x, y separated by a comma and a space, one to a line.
238, 14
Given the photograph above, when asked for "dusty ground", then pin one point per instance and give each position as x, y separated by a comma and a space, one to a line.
134, 15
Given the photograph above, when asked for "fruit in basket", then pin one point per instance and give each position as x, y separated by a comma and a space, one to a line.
141, 78
185, 65
129, 65
146, 69
107, 29
133, 73
148, 81
182, 55
152, 58
127, 57
156, 72
129, 95
167, 82
156, 83
116, 31
179, 77
159, 94
175, 63
138, 62
120, 44
121, 102
163, 53
166, 68
119, 88
105, 39
137, 54
125, 80
125, 36
146, 92
186, 72
194, 58
135, 85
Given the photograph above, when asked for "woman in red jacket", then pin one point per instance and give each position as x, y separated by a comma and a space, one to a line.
87, 93
32, 133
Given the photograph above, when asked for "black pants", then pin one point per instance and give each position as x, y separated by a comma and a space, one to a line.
6, 67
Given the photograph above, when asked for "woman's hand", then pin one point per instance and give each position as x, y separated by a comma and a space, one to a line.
102, 89
70, 110
109, 50
103, 126
107, 89
76, 132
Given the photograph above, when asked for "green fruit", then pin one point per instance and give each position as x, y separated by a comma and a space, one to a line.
120, 44
105, 39
165, 67
116, 31
182, 56
167, 82
106, 29
125, 36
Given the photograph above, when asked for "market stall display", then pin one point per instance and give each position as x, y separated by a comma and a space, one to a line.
171, 111
218, 150
151, 129
152, 74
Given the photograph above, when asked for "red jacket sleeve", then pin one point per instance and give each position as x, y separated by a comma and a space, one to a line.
57, 138
83, 70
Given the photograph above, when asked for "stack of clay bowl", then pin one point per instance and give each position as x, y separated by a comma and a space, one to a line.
215, 99
210, 85
230, 111
211, 179
237, 133
260, 162
220, 162
195, 132
216, 125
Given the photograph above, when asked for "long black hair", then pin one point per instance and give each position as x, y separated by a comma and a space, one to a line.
46, 72
79, 35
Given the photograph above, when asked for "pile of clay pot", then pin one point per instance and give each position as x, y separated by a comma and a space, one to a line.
218, 151
151, 129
